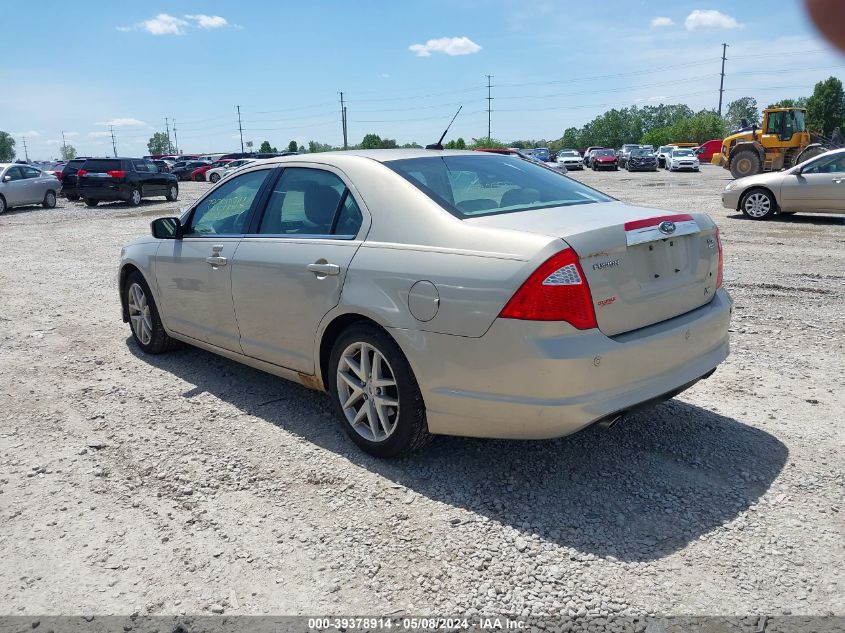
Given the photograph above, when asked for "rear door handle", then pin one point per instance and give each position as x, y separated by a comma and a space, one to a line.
838, 180
321, 269
217, 260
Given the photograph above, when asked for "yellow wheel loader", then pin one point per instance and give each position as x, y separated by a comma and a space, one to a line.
780, 143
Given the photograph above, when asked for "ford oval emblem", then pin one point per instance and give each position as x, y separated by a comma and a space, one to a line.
667, 228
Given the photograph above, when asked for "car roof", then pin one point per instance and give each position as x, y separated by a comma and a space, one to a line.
379, 155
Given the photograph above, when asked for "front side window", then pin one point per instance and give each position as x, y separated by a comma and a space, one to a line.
471, 186
14, 173
827, 165
310, 202
224, 211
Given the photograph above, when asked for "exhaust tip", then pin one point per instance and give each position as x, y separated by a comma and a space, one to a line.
605, 424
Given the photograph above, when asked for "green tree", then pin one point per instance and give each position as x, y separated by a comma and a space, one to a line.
158, 144
412, 145
371, 141
266, 148
314, 147
7, 147
800, 102
742, 108
68, 152
826, 106
571, 138
301, 149
486, 143
458, 143
293, 146
658, 136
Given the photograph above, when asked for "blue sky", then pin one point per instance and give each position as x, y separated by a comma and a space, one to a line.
403, 66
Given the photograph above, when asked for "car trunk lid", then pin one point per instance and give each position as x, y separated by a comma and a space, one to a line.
643, 265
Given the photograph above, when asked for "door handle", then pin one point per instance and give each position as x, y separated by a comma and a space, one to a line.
322, 269
838, 180
217, 260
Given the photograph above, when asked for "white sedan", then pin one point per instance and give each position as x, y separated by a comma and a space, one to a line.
213, 175
570, 158
681, 158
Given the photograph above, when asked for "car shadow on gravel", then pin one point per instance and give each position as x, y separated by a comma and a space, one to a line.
820, 219
653, 483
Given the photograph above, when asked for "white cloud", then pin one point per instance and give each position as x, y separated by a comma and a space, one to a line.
32, 133
710, 19
662, 21
208, 21
125, 122
447, 45
99, 134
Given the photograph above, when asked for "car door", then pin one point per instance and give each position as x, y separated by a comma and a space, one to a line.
818, 186
154, 181
33, 186
14, 189
289, 269
194, 275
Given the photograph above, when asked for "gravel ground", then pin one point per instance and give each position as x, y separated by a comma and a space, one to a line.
189, 483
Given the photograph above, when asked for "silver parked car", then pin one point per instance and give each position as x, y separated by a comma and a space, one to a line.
21, 185
815, 186
436, 292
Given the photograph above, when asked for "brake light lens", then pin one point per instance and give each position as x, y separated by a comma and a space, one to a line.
556, 291
721, 269
81, 173
117, 173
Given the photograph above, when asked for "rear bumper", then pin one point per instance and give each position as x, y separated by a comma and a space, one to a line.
111, 192
529, 380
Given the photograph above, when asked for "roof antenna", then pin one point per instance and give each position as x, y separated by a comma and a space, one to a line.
439, 144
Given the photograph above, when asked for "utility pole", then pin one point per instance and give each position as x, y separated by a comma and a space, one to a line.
489, 104
167, 127
722, 80
113, 146
240, 129
343, 120
175, 139
64, 145
25, 152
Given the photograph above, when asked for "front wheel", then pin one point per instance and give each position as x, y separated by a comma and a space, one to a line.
214, 177
3, 206
745, 163
49, 200
376, 394
172, 193
144, 319
758, 204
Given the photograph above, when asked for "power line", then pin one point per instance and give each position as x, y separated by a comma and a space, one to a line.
343, 120
167, 127
722, 80
113, 144
25, 152
175, 138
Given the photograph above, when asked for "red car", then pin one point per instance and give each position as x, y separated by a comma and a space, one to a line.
707, 150
199, 173
604, 159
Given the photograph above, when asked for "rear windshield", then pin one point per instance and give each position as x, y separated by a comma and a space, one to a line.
101, 165
605, 152
472, 186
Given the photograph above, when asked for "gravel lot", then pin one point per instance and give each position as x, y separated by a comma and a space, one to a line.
189, 483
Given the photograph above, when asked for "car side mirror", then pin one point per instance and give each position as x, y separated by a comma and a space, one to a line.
7, 179
166, 228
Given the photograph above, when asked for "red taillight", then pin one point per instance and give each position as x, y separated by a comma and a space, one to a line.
556, 291
117, 173
81, 173
721, 269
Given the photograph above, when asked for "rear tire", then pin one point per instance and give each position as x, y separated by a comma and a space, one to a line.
134, 197
758, 204
366, 389
91, 203
172, 194
745, 163
214, 178
144, 319
49, 200
3, 206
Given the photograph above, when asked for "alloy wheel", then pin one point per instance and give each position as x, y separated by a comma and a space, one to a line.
139, 314
136, 197
757, 205
367, 391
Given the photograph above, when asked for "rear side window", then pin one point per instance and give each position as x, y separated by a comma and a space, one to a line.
310, 202
29, 172
140, 166
469, 186
101, 165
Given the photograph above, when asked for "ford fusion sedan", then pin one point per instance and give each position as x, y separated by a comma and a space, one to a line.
436, 292
815, 186
681, 158
22, 185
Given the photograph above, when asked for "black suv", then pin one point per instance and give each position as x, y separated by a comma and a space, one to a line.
127, 179
70, 188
